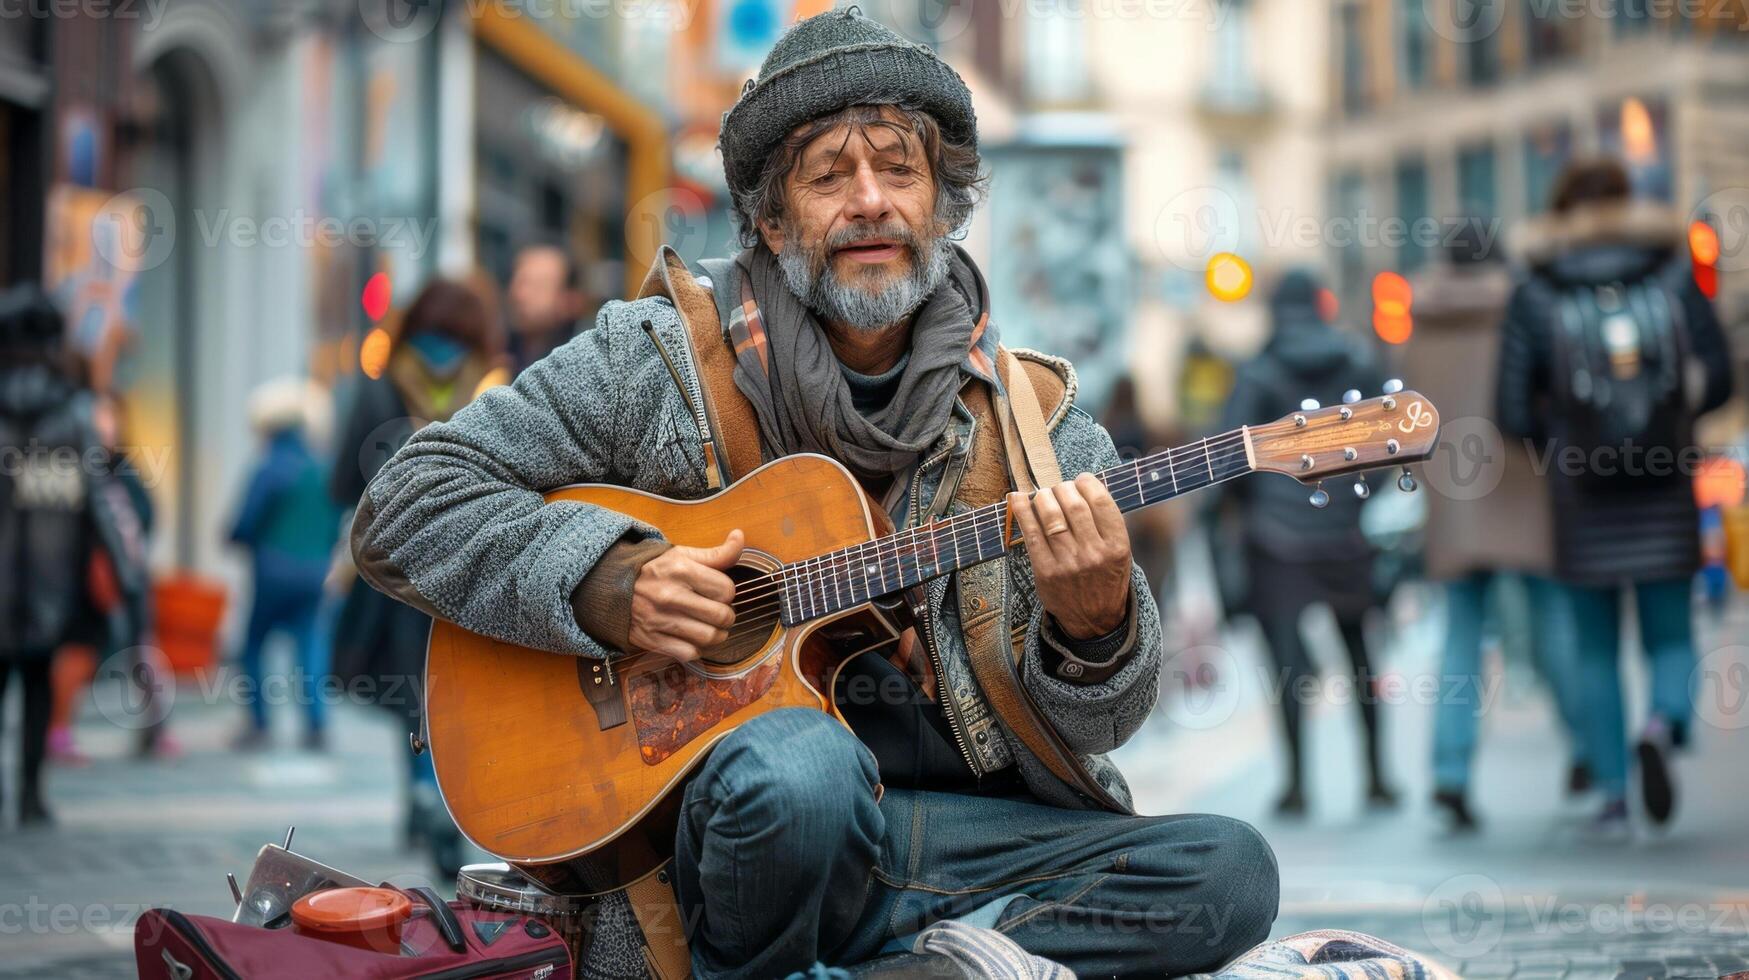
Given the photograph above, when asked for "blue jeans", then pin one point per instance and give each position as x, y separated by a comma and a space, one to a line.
296, 613
784, 857
1553, 647
1666, 634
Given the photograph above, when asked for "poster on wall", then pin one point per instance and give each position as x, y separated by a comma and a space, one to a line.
96, 245
1060, 276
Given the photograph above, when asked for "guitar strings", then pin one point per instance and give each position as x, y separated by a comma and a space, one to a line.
1124, 487
1127, 479
974, 522
762, 600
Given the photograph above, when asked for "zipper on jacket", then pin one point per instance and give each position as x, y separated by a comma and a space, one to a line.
693, 396
924, 618
942, 694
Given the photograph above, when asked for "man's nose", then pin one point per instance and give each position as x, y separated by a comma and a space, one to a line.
868, 199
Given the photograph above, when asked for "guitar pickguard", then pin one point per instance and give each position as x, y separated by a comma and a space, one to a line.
672, 706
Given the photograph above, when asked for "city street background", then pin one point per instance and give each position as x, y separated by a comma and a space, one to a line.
231, 199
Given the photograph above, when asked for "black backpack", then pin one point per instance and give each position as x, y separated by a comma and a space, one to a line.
1620, 352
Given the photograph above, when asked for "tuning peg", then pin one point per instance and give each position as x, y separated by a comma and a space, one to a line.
1319, 498
1393, 386
1351, 396
1406, 482
1361, 490
1308, 404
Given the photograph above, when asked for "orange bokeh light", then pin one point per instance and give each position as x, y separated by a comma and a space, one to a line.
1392, 294
373, 353
1720, 482
1392, 328
1703, 242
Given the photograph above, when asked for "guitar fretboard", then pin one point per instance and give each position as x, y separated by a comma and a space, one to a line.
852, 576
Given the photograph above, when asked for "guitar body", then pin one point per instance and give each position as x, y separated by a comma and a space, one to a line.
571, 768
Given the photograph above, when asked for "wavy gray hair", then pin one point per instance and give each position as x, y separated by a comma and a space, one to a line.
954, 166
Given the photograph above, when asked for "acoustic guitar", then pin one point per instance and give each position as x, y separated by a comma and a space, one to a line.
570, 767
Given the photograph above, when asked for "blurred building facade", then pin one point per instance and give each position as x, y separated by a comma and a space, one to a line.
1458, 109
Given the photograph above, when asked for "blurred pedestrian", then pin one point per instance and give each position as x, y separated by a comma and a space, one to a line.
117, 617
1608, 353
446, 349
545, 302
287, 522
50, 525
1488, 527
1298, 555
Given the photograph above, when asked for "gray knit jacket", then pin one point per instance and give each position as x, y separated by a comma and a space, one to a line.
456, 525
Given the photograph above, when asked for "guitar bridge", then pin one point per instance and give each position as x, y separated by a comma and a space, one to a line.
602, 690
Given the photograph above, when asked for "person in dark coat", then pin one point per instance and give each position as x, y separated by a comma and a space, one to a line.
1608, 353
52, 476
446, 350
1298, 555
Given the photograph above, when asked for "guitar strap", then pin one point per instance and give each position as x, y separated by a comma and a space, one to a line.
983, 591
666, 952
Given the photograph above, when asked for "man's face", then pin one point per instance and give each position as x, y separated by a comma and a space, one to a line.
858, 240
539, 299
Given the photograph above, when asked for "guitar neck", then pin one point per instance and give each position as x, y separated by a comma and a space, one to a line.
853, 576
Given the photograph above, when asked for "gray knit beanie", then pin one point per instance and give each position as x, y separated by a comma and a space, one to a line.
828, 62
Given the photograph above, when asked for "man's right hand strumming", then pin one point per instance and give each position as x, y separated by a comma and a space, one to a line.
681, 600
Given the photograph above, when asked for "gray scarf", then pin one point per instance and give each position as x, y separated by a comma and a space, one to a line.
802, 399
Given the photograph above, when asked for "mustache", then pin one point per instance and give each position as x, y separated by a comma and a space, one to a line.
896, 232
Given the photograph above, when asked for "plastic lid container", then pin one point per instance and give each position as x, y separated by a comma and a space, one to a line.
368, 918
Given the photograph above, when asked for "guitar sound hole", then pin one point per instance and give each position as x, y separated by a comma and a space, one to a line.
756, 617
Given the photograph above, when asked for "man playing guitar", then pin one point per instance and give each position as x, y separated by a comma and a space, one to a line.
860, 332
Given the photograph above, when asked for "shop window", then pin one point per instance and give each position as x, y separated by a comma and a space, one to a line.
1636, 131
1478, 187
1350, 56
1347, 202
1413, 208
1414, 47
1546, 150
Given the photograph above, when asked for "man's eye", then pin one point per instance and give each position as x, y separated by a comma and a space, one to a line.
827, 180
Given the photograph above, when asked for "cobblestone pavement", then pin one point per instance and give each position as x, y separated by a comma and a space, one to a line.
1527, 898
1530, 896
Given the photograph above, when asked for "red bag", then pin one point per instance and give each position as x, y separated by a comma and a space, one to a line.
172, 945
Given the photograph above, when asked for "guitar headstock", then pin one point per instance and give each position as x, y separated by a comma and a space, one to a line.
1396, 428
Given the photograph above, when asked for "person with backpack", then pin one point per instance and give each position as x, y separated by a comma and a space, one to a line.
1609, 351
53, 527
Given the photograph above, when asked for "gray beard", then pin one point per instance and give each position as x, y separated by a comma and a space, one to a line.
811, 278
